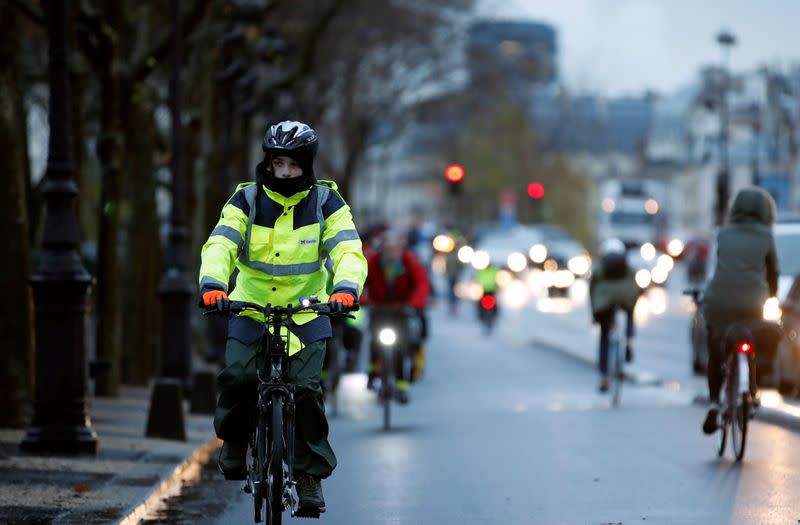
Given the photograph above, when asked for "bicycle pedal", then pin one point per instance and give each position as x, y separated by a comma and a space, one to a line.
308, 513
235, 476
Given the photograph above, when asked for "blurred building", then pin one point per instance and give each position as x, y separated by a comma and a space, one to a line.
670, 138
514, 56
683, 144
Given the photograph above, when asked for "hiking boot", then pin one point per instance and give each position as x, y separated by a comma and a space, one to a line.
309, 492
232, 459
401, 396
711, 423
604, 384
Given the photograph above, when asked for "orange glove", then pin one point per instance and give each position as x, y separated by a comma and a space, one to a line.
341, 300
216, 299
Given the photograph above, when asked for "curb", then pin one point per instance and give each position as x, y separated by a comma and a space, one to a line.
771, 415
637, 377
188, 470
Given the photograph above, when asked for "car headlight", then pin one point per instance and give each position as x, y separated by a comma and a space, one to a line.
579, 265
666, 262
772, 310
648, 251
517, 262
659, 275
480, 260
675, 247
538, 253
563, 279
444, 243
465, 254
643, 278
387, 336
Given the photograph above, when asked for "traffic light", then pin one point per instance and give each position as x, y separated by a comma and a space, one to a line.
454, 174
535, 190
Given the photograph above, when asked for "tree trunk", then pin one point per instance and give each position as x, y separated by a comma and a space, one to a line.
142, 259
16, 312
107, 379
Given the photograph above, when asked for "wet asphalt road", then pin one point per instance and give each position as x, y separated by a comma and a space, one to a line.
501, 431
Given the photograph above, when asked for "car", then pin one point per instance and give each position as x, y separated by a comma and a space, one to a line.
508, 247
787, 366
772, 367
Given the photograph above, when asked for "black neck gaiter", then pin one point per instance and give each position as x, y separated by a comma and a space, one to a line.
286, 187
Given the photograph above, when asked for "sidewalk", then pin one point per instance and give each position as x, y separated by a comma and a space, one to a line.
129, 475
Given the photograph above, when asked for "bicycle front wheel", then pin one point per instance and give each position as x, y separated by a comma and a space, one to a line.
275, 467
739, 420
258, 476
387, 387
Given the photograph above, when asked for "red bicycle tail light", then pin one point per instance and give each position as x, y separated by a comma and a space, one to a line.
488, 302
745, 348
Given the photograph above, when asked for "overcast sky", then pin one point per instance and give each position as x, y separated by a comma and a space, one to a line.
620, 47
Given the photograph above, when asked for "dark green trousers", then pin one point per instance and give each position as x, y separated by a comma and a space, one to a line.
234, 418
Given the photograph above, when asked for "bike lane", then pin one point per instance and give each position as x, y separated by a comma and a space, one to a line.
500, 431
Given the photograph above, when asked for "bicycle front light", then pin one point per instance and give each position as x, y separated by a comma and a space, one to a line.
772, 310
387, 336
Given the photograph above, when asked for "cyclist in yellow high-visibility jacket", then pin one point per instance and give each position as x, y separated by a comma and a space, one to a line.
279, 232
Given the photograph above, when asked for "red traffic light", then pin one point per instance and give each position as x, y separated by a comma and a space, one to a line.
454, 173
535, 190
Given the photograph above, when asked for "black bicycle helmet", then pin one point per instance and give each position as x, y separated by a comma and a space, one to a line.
292, 139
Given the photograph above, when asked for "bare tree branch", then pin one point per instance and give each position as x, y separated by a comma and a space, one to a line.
315, 37
146, 62
34, 13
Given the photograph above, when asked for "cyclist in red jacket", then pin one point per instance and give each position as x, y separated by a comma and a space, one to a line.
397, 278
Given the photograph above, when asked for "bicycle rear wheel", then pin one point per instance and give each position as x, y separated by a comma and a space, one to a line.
739, 419
275, 466
618, 373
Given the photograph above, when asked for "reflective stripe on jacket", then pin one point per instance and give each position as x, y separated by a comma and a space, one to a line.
280, 244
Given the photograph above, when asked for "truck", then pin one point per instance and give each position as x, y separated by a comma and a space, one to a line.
630, 211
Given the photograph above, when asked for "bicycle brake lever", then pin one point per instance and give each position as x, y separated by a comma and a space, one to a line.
214, 311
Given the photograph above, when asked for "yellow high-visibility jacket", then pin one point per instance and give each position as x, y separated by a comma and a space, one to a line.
280, 245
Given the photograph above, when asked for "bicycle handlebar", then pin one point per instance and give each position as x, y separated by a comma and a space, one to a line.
311, 305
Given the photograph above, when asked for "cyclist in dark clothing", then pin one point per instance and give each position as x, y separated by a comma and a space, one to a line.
745, 275
613, 285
